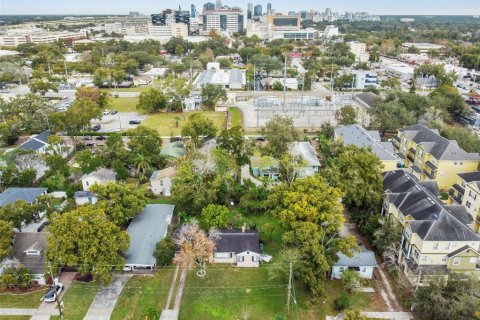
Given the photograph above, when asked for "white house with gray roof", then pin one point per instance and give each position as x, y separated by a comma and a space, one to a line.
145, 230
362, 261
233, 79
240, 247
161, 181
100, 176
37, 143
29, 195
311, 164
356, 135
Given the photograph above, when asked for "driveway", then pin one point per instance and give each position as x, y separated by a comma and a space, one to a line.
106, 298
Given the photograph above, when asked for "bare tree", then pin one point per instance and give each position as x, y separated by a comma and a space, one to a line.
196, 247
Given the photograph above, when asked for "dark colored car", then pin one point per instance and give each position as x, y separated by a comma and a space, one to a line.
113, 112
100, 138
96, 127
135, 121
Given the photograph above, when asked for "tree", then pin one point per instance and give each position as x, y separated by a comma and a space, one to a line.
414, 50
6, 237
448, 99
289, 167
390, 116
57, 165
389, 233
212, 94
344, 81
355, 315
310, 211
152, 100
42, 86
456, 298
120, 169
119, 202
195, 246
145, 141
233, 142
77, 117
197, 128
350, 279
16, 276
18, 213
358, 173
346, 115
280, 132
87, 161
86, 239
392, 83
94, 94
467, 139
269, 229
254, 199
164, 251
142, 164
214, 216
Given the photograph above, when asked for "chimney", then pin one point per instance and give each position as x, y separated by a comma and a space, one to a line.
244, 227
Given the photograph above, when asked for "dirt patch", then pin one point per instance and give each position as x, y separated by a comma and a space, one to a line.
83, 278
20, 291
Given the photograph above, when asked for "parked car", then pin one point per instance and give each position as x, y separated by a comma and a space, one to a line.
101, 138
113, 112
96, 127
106, 112
87, 138
135, 121
53, 292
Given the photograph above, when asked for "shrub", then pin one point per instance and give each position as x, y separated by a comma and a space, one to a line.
343, 302
350, 279
164, 251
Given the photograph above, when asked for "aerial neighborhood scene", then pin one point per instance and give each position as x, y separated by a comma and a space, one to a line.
243, 160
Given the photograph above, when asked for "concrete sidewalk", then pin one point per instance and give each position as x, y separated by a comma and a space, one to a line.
389, 315
106, 298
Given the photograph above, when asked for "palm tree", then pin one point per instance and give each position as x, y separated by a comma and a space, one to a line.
177, 119
142, 164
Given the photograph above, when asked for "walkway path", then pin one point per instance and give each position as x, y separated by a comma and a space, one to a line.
106, 298
172, 314
389, 315
245, 174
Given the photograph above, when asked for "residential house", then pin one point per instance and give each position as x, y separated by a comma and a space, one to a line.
84, 197
467, 193
161, 181
238, 246
364, 102
142, 80
305, 151
356, 135
145, 230
362, 261
38, 143
432, 231
29, 195
100, 176
265, 167
429, 156
29, 251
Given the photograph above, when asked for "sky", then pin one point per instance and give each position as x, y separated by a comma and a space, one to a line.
394, 7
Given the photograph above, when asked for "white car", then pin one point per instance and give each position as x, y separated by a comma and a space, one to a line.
53, 292
106, 112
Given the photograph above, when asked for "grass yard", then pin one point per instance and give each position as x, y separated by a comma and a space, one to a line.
78, 299
236, 117
15, 317
165, 123
123, 104
228, 292
160, 200
142, 293
28, 300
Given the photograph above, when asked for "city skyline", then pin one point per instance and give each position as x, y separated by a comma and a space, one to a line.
407, 7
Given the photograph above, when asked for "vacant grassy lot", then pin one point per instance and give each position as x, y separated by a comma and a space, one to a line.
142, 293
78, 299
28, 300
123, 104
165, 123
236, 117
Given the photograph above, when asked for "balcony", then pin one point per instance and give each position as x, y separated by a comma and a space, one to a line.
411, 154
396, 142
431, 174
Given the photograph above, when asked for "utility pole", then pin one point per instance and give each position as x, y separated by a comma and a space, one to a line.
56, 295
254, 78
285, 83
191, 80
289, 293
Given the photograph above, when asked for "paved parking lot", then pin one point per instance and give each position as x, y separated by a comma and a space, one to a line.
117, 122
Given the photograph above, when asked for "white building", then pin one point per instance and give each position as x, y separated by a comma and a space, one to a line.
223, 20
400, 70
363, 262
364, 78
330, 31
359, 49
100, 176
238, 246
161, 181
305, 150
234, 79
84, 197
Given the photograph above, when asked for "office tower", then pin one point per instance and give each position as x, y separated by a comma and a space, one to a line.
224, 20
269, 8
209, 6
328, 12
257, 12
218, 5
192, 10
169, 17
250, 11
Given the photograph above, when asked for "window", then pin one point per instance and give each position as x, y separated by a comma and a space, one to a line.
255, 258
456, 261
461, 163
240, 258
468, 204
424, 258
472, 195
223, 255
435, 246
447, 246
86, 183
341, 269
473, 260
444, 258
455, 163
364, 269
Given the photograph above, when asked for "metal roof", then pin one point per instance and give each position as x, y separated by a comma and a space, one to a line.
12, 195
145, 230
356, 135
364, 258
306, 151
36, 142
102, 174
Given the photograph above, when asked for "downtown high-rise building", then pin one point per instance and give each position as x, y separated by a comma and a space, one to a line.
218, 5
250, 11
257, 12
269, 8
193, 10
209, 6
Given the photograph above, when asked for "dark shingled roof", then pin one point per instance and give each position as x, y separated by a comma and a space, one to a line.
433, 220
12, 195
234, 240
470, 176
460, 250
438, 146
367, 97
33, 241
36, 142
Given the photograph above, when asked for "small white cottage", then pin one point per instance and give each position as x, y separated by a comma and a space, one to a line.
238, 246
362, 261
161, 181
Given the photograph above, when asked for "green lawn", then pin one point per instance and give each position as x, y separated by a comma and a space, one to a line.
29, 300
227, 292
161, 200
142, 293
15, 317
123, 104
236, 117
78, 299
165, 123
